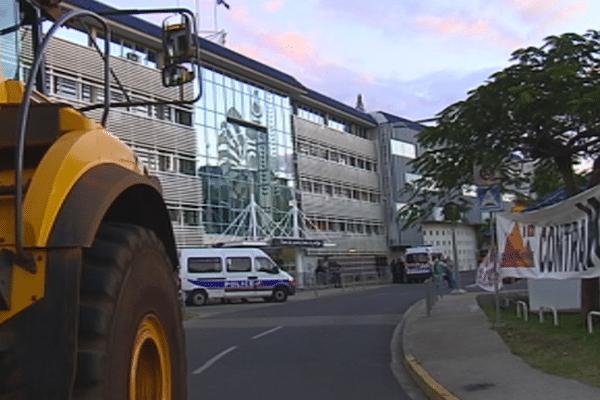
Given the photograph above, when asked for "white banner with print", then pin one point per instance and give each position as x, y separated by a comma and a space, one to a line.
557, 242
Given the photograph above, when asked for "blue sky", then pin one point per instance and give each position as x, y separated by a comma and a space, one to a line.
411, 58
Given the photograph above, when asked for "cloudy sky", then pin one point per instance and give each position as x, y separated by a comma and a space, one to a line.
411, 58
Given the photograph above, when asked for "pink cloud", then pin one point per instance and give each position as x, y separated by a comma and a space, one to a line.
248, 51
547, 12
453, 26
567, 13
366, 78
533, 8
478, 28
293, 45
239, 15
273, 6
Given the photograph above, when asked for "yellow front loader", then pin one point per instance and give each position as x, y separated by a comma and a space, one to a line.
89, 305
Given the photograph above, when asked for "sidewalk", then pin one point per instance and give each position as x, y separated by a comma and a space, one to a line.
456, 347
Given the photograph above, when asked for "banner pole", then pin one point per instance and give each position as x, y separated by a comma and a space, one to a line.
496, 272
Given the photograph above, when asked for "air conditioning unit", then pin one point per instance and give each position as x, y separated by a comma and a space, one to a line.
133, 57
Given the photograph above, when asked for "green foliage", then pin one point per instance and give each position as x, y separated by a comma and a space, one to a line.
544, 108
546, 179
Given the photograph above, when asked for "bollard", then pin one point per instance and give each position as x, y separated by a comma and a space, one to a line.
589, 319
428, 304
541, 311
525, 310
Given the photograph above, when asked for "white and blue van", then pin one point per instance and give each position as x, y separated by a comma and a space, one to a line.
419, 262
229, 273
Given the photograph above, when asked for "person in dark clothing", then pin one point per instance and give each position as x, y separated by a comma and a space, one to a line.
336, 273
321, 273
394, 267
397, 270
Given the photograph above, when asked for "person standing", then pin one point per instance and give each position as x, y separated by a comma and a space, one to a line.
450, 274
336, 273
397, 267
321, 273
438, 271
393, 267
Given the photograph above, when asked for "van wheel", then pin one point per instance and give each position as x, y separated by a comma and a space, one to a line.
198, 297
131, 341
279, 295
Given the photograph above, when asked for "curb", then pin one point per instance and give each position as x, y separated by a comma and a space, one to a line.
432, 388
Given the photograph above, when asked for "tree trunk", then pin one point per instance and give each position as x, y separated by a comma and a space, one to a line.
565, 167
590, 288
590, 296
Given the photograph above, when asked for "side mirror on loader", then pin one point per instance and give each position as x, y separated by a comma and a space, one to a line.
180, 51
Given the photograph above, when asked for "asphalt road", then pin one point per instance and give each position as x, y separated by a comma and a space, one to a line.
329, 347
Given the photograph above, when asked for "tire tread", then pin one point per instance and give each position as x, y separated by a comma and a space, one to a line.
104, 268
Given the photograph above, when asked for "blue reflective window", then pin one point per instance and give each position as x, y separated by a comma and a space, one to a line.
229, 155
208, 75
220, 99
209, 96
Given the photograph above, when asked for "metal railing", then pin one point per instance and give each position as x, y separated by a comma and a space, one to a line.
354, 279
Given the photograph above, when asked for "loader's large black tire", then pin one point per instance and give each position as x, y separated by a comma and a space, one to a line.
131, 339
12, 379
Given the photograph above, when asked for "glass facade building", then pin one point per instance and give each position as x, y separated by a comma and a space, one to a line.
231, 148
255, 137
244, 151
9, 42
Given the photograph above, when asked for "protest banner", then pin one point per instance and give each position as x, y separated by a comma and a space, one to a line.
561, 241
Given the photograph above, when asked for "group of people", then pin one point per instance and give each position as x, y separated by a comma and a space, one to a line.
329, 272
443, 269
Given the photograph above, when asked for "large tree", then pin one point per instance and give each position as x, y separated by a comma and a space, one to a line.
543, 108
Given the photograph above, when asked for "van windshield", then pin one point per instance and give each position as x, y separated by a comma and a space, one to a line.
266, 265
417, 258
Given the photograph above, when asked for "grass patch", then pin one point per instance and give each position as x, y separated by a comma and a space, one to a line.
566, 350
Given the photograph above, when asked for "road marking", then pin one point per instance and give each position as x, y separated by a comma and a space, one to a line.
267, 332
213, 360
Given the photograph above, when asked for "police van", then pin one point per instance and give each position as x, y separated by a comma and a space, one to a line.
419, 262
229, 273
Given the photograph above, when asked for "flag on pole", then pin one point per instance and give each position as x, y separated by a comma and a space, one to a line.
223, 3
487, 276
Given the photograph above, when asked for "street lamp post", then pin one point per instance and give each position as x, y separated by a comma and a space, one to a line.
458, 279
452, 214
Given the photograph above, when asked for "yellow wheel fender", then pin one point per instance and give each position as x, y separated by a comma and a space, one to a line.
85, 175
111, 192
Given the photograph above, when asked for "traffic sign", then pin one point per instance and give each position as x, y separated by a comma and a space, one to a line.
485, 175
489, 199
